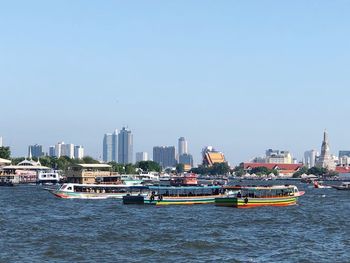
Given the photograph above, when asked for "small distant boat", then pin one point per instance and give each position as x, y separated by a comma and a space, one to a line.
320, 185
177, 195
343, 186
97, 191
255, 196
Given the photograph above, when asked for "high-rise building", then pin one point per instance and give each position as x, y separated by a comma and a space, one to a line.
186, 159
52, 152
35, 150
58, 149
115, 146
310, 158
107, 148
141, 156
125, 146
183, 147
78, 152
164, 156
67, 150
344, 153
1, 141
110, 147
325, 160
277, 156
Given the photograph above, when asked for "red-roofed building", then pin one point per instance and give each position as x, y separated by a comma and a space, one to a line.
342, 169
283, 168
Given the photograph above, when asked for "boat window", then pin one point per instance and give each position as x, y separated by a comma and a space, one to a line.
69, 188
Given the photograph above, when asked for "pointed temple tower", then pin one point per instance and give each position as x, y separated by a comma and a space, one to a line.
325, 160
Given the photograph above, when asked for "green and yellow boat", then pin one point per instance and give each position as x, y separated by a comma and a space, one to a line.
177, 195
255, 196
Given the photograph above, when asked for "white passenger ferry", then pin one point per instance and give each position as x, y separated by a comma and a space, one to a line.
98, 191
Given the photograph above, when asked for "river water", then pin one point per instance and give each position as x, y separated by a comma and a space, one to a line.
35, 226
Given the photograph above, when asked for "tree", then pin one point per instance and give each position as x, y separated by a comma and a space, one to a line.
239, 171
149, 166
180, 168
117, 167
89, 159
201, 169
302, 170
219, 169
130, 169
319, 171
5, 152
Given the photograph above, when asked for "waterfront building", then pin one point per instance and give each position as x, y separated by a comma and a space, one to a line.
110, 147
90, 173
52, 151
344, 160
183, 146
4, 162
141, 156
310, 158
35, 150
211, 156
277, 156
283, 168
164, 156
125, 146
78, 152
24, 172
325, 160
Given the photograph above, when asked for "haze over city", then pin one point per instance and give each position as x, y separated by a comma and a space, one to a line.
240, 76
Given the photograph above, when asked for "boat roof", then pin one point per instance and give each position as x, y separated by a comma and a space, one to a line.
26, 167
109, 185
184, 187
93, 165
259, 187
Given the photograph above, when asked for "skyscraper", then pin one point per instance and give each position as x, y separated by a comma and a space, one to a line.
0, 141
110, 147
78, 152
310, 158
125, 146
67, 150
52, 151
141, 156
36, 150
183, 147
164, 156
58, 149
186, 159
325, 160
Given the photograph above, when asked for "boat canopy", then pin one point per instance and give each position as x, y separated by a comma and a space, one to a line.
184, 187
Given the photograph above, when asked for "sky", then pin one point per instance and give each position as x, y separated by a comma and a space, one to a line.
242, 76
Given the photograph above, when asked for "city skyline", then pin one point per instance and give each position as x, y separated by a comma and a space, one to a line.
300, 156
252, 77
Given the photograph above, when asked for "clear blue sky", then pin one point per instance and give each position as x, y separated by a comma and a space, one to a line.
242, 76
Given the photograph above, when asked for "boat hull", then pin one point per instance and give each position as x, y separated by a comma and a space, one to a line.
76, 195
255, 202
